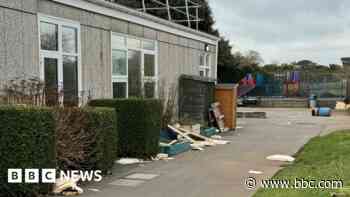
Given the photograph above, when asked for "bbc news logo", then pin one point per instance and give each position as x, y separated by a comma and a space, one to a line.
32, 176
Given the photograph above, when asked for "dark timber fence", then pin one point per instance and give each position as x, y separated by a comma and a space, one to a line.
196, 94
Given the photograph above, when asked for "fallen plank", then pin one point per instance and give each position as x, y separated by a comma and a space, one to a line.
181, 134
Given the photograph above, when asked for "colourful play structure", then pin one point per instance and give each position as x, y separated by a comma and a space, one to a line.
292, 84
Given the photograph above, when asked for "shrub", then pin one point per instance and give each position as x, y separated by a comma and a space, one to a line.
138, 125
87, 139
27, 140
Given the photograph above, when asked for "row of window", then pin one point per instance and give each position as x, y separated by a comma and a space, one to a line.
134, 61
134, 67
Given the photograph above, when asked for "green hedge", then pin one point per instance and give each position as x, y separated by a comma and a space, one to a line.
138, 125
27, 140
87, 138
103, 121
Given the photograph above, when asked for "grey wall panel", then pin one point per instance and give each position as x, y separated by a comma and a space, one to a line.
30, 45
14, 43
163, 37
183, 41
107, 64
30, 5
163, 60
2, 45
150, 33
193, 44
213, 64
135, 30
96, 62
17, 4
173, 39
119, 26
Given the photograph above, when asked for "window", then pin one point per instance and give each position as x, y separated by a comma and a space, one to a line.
120, 89
134, 43
60, 59
49, 36
119, 63
134, 78
149, 45
134, 67
69, 40
149, 65
204, 65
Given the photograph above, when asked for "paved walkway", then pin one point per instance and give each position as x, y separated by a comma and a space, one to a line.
220, 171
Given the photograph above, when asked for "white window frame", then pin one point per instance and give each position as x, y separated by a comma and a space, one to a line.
126, 48
59, 54
207, 64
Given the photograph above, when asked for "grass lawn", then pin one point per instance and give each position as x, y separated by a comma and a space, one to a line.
323, 158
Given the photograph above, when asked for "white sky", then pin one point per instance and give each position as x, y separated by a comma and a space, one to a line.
286, 31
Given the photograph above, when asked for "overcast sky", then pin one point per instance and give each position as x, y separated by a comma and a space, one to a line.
286, 31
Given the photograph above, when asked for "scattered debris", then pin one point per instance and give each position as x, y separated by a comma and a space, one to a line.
255, 172
217, 137
93, 190
68, 187
221, 142
342, 106
129, 161
162, 156
196, 128
284, 158
197, 147
217, 118
239, 127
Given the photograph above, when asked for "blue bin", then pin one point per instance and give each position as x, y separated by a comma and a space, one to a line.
325, 111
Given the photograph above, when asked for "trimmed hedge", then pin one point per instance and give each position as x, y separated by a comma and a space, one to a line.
87, 138
27, 140
139, 125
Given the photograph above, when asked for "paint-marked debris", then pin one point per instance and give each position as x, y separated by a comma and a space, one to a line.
94, 190
255, 172
142, 176
129, 161
163, 157
217, 137
284, 158
67, 186
197, 147
221, 142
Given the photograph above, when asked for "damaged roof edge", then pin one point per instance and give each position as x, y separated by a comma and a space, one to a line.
121, 12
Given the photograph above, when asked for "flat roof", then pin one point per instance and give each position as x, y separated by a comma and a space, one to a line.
124, 13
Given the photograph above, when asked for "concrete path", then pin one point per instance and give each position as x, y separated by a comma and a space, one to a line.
222, 170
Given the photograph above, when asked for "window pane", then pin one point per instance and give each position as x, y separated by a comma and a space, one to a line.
149, 45
149, 65
207, 60
201, 60
70, 80
51, 81
119, 89
69, 40
201, 73
119, 63
49, 36
134, 43
134, 61
150, 88
118, 41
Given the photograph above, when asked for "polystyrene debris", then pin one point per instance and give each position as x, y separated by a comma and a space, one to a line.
129, 161
284, 158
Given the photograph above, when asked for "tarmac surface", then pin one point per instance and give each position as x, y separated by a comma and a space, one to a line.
223, 170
